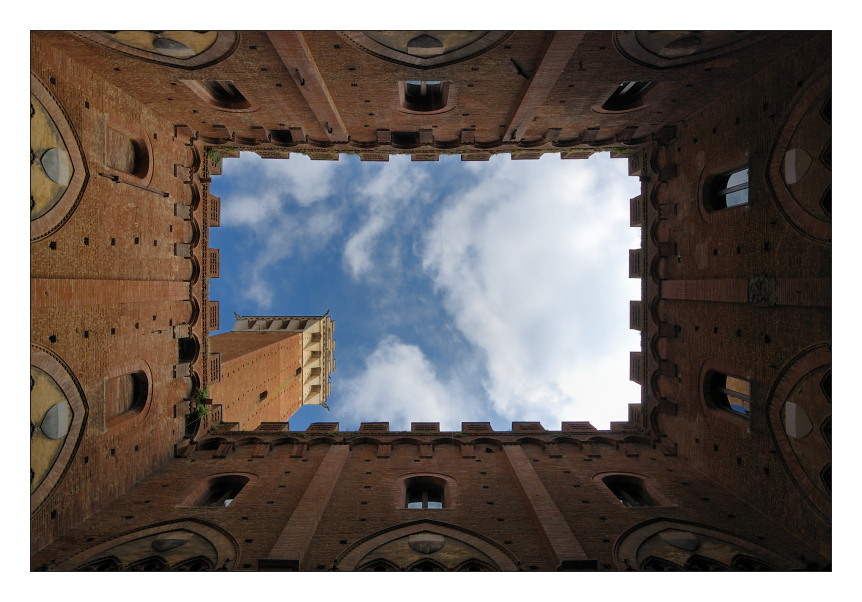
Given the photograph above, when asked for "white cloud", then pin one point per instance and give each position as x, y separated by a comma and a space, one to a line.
399, 385
304, 180
387, 195
533, 262
277, 207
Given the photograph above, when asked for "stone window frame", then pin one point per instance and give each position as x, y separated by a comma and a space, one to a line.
425, 493
628, 96
718, 189
232, 483
142, 169
447, 91
648, 486
718, 395
403, 483
221, 95
143, 392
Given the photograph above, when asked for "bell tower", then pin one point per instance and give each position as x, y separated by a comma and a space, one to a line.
270, 366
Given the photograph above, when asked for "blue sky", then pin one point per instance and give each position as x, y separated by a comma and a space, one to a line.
461, 291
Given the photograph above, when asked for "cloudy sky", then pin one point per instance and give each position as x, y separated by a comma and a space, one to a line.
461, 291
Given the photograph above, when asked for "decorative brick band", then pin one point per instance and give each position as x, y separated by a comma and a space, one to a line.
561, 46
297, 59
70, 292
565, 546
297, 534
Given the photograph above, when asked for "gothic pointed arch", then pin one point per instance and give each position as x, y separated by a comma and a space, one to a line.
669, 544
425, 49
799, 411
188, 543
149, 564
102, 565
430, 542
58, 169
670, 49
379, 565
800, 163
58, 414
183, 49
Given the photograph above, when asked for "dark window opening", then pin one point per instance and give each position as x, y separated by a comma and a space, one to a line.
222, 94
826, 431
424, 96
826, 477
281, 136
263, 395
826, 385
188, 349
221, 491
126, 394
729, 393
700, 563
425, 492
628, 95
629, 491
405, 139
729, 190
122, 153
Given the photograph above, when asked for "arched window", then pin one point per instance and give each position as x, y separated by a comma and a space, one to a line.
627, 96
126, 394
221, 491
425, 492
729, 393
125, 154
188, 349
629, 490
221, 94
424, 96
729, 190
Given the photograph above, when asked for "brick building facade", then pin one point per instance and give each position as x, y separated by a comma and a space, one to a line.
730, 134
